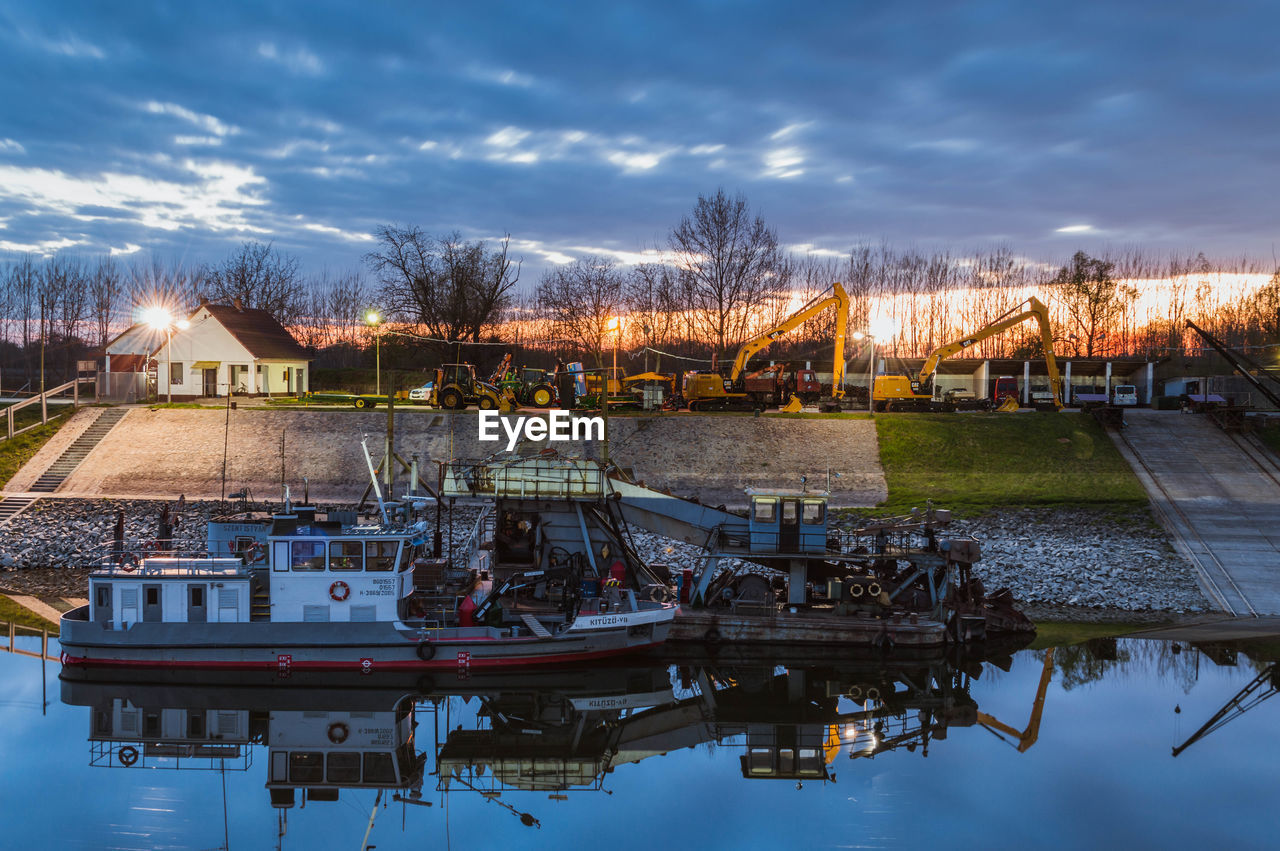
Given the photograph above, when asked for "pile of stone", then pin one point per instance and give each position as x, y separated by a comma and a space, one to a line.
1045, 557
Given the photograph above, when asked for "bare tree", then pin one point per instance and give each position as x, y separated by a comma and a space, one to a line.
451, 287
580, 298
259, 277
1092, 299
653, 299
105, 289
732, 265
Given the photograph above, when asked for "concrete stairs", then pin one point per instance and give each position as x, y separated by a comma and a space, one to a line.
59, 470
12, 506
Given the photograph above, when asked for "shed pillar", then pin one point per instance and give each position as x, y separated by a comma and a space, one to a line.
1066, 386
1026, 383
1151, 381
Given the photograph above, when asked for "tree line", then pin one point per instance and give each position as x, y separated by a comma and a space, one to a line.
721, 277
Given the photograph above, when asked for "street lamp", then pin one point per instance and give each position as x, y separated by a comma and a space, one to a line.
162, 320
375, 321
614, 324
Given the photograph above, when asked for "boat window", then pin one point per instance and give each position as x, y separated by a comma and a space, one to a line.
344, 767
766, 510
153, 596
306, 767
197, 596
346, 555
789, 512
104, 595
307, 555
380, 555
379, 768
813, 511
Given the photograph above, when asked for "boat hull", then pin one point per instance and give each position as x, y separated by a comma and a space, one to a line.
336, 646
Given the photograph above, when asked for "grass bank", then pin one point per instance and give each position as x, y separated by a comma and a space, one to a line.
976, 462
18, 451
11, 612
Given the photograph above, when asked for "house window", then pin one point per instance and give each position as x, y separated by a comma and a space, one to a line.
175, 373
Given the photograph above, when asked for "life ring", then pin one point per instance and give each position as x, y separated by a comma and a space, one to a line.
339, 591
128, 755
426, 651
255, 553
128, 562
338, 732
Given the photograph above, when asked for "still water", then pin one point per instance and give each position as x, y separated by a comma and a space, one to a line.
709, 751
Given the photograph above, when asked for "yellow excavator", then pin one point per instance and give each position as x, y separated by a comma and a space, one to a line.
1025, 738
916, 393
710, 390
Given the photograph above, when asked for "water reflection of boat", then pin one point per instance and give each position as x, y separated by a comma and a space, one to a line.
550, 733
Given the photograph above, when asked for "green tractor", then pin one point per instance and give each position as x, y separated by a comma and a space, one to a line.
531, 387
528, 386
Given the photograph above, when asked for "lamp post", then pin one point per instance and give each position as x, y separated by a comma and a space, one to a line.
615, 325
162, 320
375, 321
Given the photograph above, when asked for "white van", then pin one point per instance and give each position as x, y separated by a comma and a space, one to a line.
1125, 394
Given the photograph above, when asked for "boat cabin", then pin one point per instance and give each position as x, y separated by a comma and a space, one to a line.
787, 521
291, 567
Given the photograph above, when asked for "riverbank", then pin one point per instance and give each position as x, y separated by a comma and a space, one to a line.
1064, 564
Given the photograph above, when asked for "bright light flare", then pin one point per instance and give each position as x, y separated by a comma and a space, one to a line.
858, 335
882, 327
182, 324
372, 317
614, 324
157, 317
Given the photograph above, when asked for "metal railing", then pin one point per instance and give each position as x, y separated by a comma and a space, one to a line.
16, 629
43, 399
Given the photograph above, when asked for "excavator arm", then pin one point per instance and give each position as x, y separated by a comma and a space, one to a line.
1036, 309
839, 299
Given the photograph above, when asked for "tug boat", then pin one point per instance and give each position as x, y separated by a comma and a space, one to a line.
298, 591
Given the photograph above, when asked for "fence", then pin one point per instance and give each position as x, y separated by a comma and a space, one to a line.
11, 430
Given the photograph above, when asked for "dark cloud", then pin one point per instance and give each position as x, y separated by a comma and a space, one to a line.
185, 128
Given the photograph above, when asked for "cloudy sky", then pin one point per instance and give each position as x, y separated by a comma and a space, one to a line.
183, 129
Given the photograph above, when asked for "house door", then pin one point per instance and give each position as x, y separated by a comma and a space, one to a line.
210, 382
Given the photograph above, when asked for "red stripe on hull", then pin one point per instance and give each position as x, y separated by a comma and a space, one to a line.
450, 663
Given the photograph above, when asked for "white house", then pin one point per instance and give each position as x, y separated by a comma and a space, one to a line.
221, 347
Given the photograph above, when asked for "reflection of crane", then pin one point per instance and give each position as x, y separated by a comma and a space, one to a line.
1026, 738
898, 392
1263, 686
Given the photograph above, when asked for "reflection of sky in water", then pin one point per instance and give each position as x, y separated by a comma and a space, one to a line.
1101, 774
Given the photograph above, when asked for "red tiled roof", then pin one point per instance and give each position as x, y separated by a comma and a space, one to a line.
258, 331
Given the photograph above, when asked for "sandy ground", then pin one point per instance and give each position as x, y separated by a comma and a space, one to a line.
164, 453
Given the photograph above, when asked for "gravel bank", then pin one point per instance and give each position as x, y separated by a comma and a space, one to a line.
1051, 559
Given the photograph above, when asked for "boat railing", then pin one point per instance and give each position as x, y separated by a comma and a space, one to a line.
480, 542
186, 564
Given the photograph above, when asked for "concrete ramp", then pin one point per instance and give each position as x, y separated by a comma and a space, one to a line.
166, 452
1219, 495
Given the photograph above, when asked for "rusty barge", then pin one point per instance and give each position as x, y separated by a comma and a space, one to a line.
783, 574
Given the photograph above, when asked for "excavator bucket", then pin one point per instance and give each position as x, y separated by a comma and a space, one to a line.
792, 407
1009, 405
507, 400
